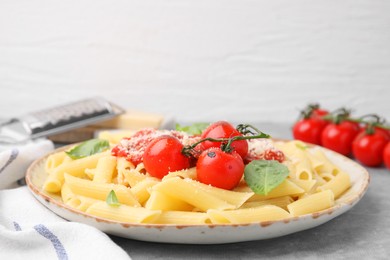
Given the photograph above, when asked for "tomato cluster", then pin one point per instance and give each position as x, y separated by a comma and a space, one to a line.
367, 139
216, 164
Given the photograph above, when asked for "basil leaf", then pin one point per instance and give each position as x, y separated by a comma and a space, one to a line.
88, 148
194, 129
262, 176
112, 200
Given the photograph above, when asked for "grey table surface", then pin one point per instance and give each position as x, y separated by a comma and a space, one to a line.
363, 232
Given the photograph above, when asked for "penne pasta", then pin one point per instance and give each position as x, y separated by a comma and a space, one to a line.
312, 185
81, 203
75, 167
284, 189
141, 189
182, 217
100, 190
281, 202
161, 201
123, 213
54, 160
247, 215
338, 185
312, 203
104, 171
188, 190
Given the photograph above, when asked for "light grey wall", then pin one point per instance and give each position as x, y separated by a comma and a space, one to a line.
217, 59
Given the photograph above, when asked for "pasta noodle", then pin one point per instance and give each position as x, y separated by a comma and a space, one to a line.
313, 184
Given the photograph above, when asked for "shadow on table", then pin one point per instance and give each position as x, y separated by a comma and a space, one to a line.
346, 236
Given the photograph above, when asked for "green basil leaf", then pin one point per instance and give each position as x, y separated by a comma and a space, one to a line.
262, 176
88, 148
112, 200
194, 129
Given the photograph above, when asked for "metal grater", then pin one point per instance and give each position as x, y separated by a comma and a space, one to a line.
57, 120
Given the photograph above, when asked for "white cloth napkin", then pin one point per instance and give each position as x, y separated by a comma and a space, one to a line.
15, 159
28, 230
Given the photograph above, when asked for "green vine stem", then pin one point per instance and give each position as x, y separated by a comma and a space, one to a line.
226, 143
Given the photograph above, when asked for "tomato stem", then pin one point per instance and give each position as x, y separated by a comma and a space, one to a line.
308, 111
226, 143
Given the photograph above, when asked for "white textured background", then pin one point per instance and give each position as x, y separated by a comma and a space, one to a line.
247, 60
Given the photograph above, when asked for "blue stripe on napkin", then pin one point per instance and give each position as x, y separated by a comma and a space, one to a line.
12, 157
45, 232
17, 226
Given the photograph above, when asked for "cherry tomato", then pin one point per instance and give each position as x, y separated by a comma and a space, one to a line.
383, 131
163, 155
314, 111
339, 137
274, 155
386, 155
223, 129
368, 148
220, 169
318, 113
309, 130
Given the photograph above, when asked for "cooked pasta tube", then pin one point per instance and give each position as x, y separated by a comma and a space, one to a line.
133, 176
182, 217
81, 203
297, 152
161, 201
141, 189
122, 167
233, 197
312, 203
187, 173
104, 171
75, 167
188, 190
54, 160
338, 185
303, 167
306, 185
123, 213
327, 166
66, 193
286, 188
281, 202
248, 215
100, 190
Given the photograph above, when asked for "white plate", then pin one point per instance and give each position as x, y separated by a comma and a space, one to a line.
206, 234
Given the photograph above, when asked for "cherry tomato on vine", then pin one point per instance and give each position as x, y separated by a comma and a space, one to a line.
164, 155
339, 137
310, 126
220, 169
315, 111
223, 129
386, 155
309, 130
319, 113
368, 148
383, 131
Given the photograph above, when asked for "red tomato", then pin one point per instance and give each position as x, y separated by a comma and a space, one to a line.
163, 155
309, 130
383, 131
318, 113
220, 169
368, 148
339, 137
386, 155
274, 155
223, 129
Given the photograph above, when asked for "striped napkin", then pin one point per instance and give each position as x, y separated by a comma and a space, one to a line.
28, 230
